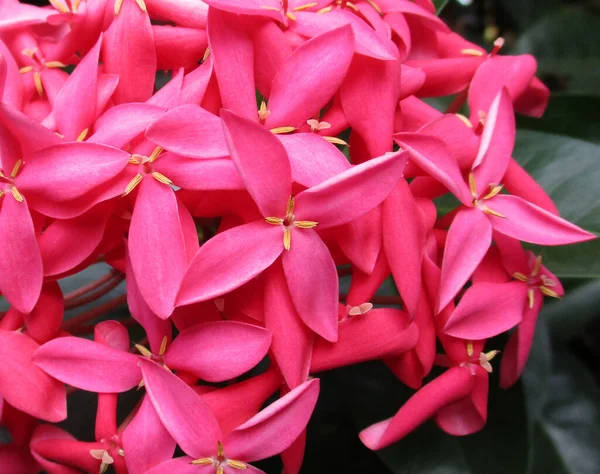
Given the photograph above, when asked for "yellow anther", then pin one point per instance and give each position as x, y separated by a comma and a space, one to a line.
519, 276
376, 7
145, 352
263, 113
76, 5
142, 5
2, 193
306, 224
306, 6
548, 281
530, 297
469, 348
163, 346
349, 5
133, 183
537, 266
59, 6
471, 52
136, 159
487, 210
279, 130
324, 10
485, 358
220, 304
548, 292
54, 64
16, 168
473, 185
206, 54
291, 16
140, 385
289, 208
493, 191
16, 194
37, 79
287, 238
220, 470
30, 52
274, 220
360, 309
336, 141
267, 7
155, 154
118, 5
25, 70
2, 175
121, 452
161, 178
202, 461
236, 464
82, 135
220, 450
465, 120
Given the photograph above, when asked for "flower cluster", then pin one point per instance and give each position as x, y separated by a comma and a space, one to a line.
290, 146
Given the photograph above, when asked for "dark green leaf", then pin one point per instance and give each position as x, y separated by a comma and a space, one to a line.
525, 13
440, 5
568, 170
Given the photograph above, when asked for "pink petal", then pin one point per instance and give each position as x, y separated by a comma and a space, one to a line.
469, 238
146, 441
313, 283
229, 260
113, 334
432, 156
81, 88
46, 317
177, 46
15, 458
312, 158
228, 349
310, 78
190, 13
68, 171
497, 143
258, 155
490, 269
352, 193
189, 130
404, 242
534, 101
518, 182
21, 270
3, 69
186, 417
530, 223
486, 310
192, 173
292, 339
361, 240
276, 427
181, 465
128, 51
232, 52
267, 8
156, 246
31, 135
88, 365
516, 351
370, 96
391, 329
169, 95
25, 386
450, 387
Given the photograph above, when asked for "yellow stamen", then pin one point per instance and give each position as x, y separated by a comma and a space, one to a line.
202, 461
76, 5
471, 52
548, 292
324, 10
118, 5
279, 130
37, 79
491, 354
82, 135
306, 6
145, 352
469, 348
2, 175
376, 7
236, 464
16, 168
25, 69
487, 210
336, 141
142, 5
530, 297
206, 54
161, 178
537, 266
220, 470
220, 450
274, 220
133, 183
16, 194
266, 7
155, 154
60, 135
349, 5
53, 64
548, 281
135, 159
291, 16
287, 238
472, 185
29, 52
519, 276
121, 452
466, 121
360, 309
495, 190
59, 6
263, 113
140, 385
289, 208
305, 224
163, 346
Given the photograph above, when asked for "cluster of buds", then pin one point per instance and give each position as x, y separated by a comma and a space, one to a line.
290, 146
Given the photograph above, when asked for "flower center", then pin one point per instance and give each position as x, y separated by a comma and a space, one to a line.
288, 222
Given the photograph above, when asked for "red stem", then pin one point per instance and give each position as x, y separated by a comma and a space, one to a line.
93, 296
92, 286
78, 321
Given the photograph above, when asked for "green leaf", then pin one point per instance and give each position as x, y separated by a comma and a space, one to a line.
525, 13
440, 5
568, 170
567, 433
